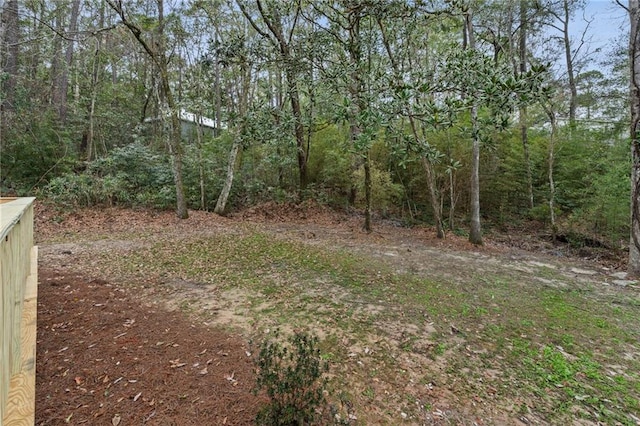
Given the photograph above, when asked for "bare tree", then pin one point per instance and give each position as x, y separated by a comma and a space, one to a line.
563, 16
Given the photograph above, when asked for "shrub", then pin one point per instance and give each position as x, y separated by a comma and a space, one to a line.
132, 175
71, 190
291, 375
385, 193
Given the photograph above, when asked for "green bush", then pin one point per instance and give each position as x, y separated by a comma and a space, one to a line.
32, 153
384, 192
132, 175
605, 213
71, 190
291, 375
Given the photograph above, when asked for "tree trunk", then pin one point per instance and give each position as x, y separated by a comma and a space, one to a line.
242, 96
56, 61
298, 130
89, 141
200, 160
475, 234
175, 148
9, 42
452, 199
158, 55
63, 82
550, 159
524, 135
573, 99
218, 91
436, 204
522, 112
367, 191
221, 204
357, 89
281, 42
175, 139
33, 58
634, 129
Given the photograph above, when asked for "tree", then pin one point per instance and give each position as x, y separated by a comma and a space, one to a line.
634, 132
408, 89
475, 233
562, 13
236, 53
62, 63
282, 38
350, 26
10, 42
158, 52
489, 92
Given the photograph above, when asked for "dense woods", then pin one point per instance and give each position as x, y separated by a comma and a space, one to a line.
461, 114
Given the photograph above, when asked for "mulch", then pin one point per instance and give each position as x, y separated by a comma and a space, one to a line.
103, 358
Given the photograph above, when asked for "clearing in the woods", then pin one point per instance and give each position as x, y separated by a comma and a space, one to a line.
146, 319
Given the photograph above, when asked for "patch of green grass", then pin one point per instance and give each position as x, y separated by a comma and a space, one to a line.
554, 342
369, 393
566, 380
439, 349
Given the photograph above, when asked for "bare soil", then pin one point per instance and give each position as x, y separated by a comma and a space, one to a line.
105, 358
112, 352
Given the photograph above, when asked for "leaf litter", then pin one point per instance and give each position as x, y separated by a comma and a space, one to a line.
396, 363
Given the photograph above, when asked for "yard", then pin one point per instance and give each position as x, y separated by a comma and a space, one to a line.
146, 319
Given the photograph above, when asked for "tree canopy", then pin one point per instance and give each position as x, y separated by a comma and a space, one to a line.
450, 113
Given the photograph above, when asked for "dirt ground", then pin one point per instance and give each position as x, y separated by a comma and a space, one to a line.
104, 358
110, 355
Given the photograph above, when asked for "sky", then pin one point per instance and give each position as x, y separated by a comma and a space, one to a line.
609, 22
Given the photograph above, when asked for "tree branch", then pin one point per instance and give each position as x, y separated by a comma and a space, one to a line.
255, 26
134, 29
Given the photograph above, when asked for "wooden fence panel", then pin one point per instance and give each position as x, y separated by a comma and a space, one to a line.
18, 307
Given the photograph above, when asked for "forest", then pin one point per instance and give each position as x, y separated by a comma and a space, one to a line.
392, 184
461, 114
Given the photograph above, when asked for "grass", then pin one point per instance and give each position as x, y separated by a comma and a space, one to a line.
559, 352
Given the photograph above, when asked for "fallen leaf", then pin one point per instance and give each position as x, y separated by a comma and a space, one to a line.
203, 371
231, 378
115, 421
135, 398
78, 380
175, 363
